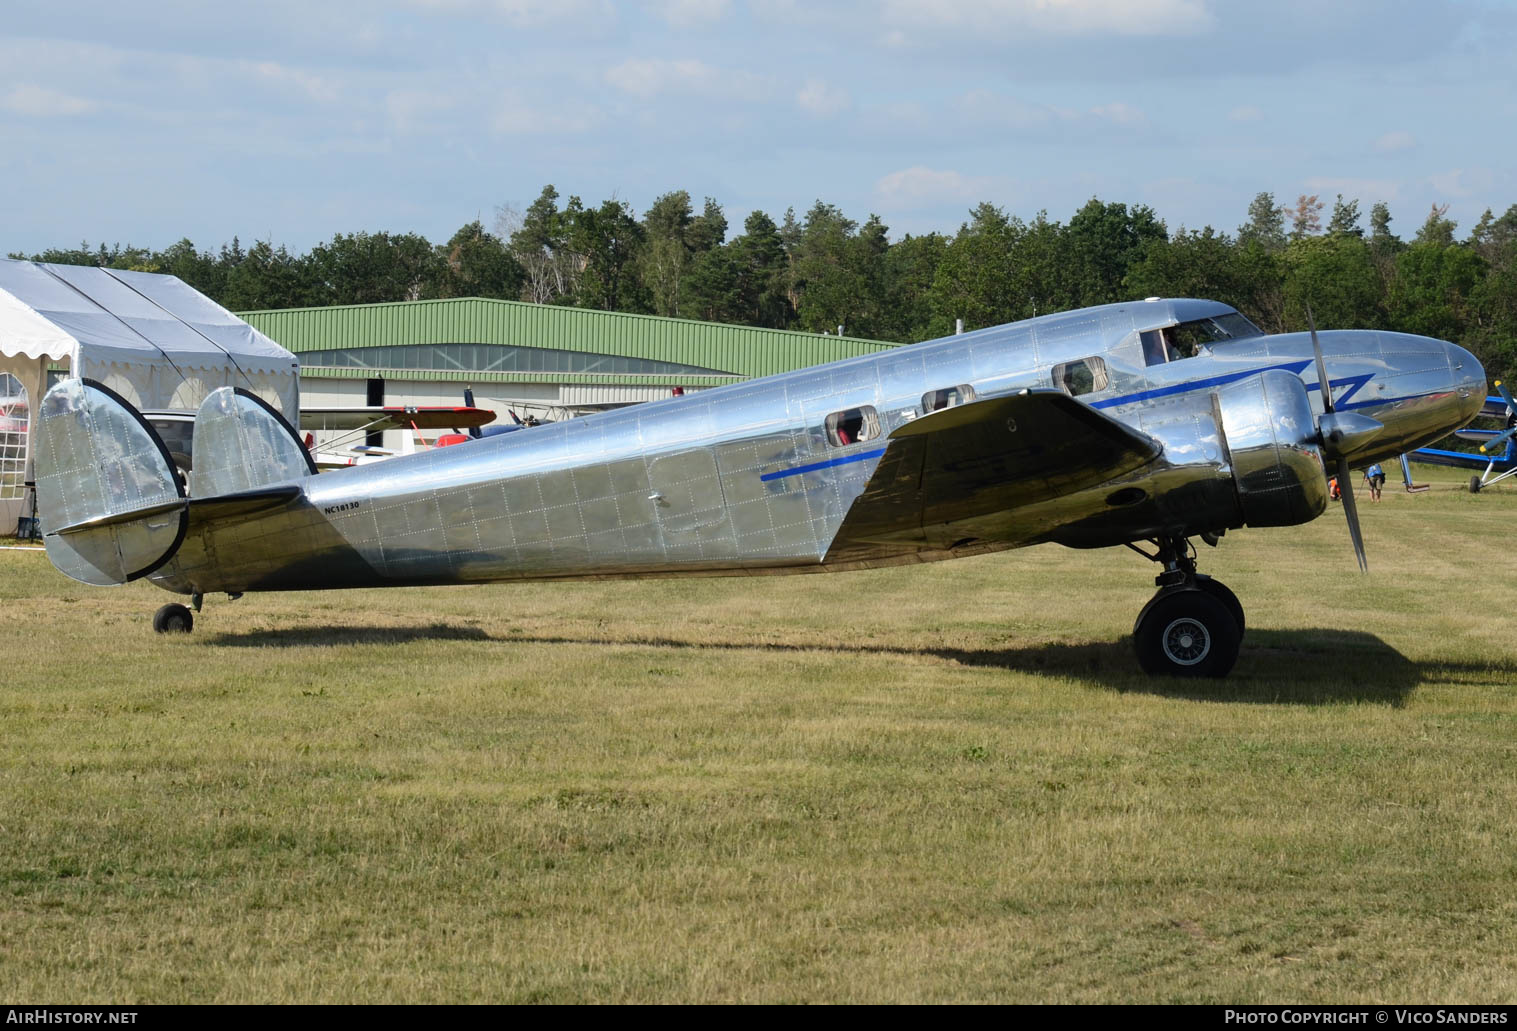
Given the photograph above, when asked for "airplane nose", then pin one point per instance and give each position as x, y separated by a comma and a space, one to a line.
1469, 380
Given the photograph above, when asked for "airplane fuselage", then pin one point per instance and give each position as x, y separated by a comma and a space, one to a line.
760, 477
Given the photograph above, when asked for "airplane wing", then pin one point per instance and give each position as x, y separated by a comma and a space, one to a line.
990, 456
1458, 459
394, 417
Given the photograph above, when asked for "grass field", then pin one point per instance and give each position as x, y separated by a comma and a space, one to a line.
945, 783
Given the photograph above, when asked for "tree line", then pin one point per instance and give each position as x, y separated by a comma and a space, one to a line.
823, 270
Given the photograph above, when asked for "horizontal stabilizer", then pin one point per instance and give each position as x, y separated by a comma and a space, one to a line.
242, 443
104, 475
225, 506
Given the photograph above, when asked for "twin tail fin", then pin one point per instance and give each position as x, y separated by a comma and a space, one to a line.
112, 504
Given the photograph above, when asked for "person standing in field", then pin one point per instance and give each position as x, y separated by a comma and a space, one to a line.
1375, 477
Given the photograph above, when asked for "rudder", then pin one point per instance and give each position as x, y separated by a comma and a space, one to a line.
241, 443
98, 461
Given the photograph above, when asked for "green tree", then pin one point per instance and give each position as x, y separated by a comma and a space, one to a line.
608, 239
1104, 242
539, 241
370, 268
911, 266
1336, 276
1345, 220
1266, 224
1439, 228
266, 276
474, 263
1432, 290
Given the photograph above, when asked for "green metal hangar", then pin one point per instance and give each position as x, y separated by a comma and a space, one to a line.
537, 360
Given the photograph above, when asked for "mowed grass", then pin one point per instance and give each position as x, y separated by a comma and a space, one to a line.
943, 783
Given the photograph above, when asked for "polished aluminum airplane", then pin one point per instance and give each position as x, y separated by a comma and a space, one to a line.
1157, 421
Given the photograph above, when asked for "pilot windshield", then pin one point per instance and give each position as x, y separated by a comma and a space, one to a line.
1188, 339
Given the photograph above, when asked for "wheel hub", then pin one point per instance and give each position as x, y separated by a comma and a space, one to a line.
1186, 642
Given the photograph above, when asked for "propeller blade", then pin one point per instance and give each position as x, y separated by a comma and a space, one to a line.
1322, 383
1350, 509
474, 431
1502, 438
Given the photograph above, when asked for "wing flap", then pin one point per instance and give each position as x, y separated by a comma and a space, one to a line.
989, 456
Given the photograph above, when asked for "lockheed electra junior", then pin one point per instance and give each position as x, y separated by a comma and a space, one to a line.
1152, 421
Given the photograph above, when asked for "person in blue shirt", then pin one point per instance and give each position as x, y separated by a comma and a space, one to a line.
1375, 477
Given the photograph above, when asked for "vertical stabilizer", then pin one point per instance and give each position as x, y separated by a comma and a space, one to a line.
110, 503
242, 443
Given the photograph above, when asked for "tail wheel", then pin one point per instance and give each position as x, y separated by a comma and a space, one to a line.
1187, 633
173, 619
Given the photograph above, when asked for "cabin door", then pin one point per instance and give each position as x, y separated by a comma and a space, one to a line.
686, 492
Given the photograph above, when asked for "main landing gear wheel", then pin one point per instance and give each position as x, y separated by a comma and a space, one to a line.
173, 619
1474, 485
1187, 632
1219, 590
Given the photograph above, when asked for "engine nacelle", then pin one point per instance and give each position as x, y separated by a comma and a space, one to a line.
1272, 443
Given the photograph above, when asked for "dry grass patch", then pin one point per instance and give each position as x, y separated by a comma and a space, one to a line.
940, 783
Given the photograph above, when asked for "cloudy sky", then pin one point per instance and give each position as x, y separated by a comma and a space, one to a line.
293, 120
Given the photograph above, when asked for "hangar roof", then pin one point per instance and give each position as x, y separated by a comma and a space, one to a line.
484, 340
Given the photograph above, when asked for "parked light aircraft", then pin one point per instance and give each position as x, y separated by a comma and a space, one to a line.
1090, 428
1497, 459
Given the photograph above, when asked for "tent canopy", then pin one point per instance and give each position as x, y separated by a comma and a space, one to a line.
150, 337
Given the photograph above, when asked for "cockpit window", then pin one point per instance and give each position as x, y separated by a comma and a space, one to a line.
1085, 376
1186, 340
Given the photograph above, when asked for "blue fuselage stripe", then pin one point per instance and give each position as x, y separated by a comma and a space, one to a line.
1354, 383
1197, 384
814, 466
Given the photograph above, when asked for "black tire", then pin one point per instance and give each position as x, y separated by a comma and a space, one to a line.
1219, 590
1474, 485
1187, 633
173, 619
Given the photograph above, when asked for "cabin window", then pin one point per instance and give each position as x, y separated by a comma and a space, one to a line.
852, 426
937, 400
1085, 376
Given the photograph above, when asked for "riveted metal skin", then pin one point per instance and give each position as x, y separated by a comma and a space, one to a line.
749, 479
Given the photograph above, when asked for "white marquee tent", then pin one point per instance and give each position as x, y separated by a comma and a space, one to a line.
152, 339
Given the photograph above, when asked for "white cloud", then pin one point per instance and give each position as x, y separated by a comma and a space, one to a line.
1121, 114
315, 87
1463, 182
1055, 17
410, 110
646, 78
518, 114
921, 185
526, 13
821, 99
1247, 113
40, 102
1394, 141
691, 12
1368, 190
984, 109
